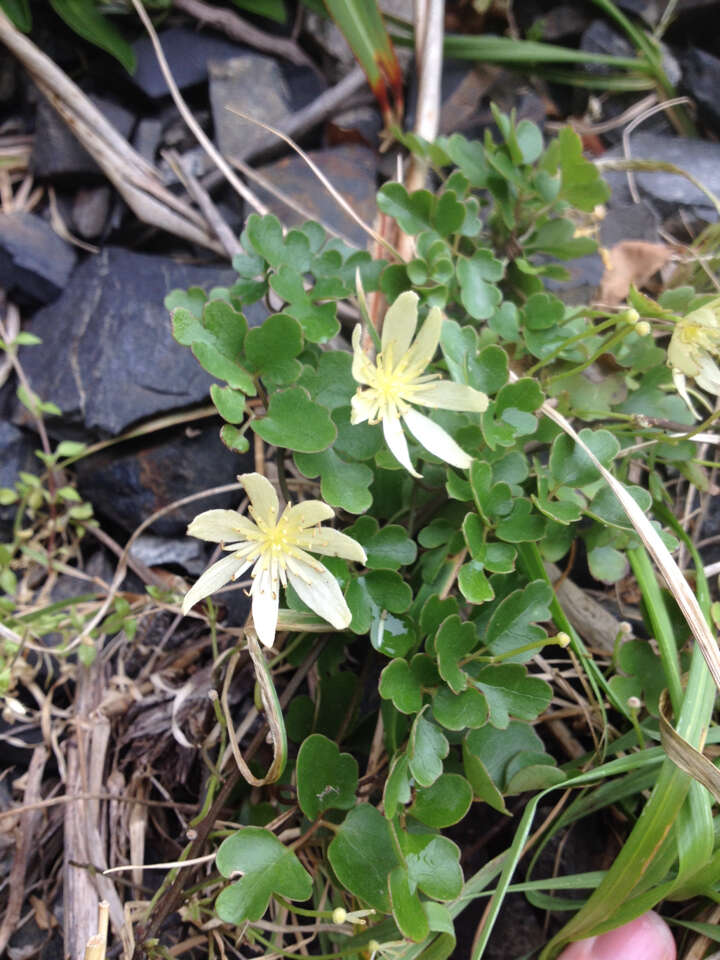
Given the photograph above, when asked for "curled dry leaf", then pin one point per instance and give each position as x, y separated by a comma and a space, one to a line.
631, 262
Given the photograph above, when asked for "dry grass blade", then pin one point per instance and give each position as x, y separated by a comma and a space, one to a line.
97, 944
684, 755
337, 197
135, 179
677, 584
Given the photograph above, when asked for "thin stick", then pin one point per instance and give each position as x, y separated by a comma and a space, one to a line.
185, 112
203, 199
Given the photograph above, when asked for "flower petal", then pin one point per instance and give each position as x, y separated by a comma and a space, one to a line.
709, 376
319, 589
399, 324
309, 512
262, 496
362, 406
680, 382
216, 576
435, 439
447, 395
395, 439
426, 343
361, 365
331, 543
265, 603
221, 526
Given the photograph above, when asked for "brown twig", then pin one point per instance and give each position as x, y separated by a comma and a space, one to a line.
233, 25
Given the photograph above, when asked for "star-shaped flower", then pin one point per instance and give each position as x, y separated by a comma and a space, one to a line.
695, 338
275, 546
396, 380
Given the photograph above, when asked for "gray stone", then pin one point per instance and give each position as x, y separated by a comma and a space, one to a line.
126, 489
148, 135
17, 452
108, 358
634, 221
601, 38
58, 152
667, 191
34, 260
186, 552
187, 53
586, 273
261, 87
90, 211
352, 171
701, 79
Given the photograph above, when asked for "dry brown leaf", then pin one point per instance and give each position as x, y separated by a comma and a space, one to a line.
631, 261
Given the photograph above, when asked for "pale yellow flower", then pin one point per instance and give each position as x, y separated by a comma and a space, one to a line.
275, 546
695, 339
391, 384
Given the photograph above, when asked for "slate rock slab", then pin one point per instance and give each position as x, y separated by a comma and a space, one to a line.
263, 88
56, 150
126, 489
108, 358
667, 191
701, 79
34, 260
352, 171
187, 53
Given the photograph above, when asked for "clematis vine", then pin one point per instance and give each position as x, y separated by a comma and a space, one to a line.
276, 547
695, 339
395, 381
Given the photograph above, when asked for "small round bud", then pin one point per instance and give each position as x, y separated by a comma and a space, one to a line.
562, 639
625, 628
634, 703
373, 946
643, 328
339, 915
631, 315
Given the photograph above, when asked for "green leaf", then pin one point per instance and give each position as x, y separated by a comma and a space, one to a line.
326, 778
234, 439
271, 349
486, 370
216, 339
318, 320
331, 382
477, 291
19, 12
370, 594
268, 867
449, 214
393, 636
397, 787
342, 484
266, 236
443, 803
458, 711
581, 183
490, 751
473, 583
570, 465
399, 684
427, 749
210, 358
514, 623
455, 639
387, 548
433, 864
26, 339
70, 448
406, 906
193, 300
557, 238
413, 211
296, 422
522, 525
363, 855
272, 9
607, 564
469, 157
644, 675
230, 403
85, 19
510, 692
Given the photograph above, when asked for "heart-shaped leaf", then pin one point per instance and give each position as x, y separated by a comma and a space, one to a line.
363, 855
326, 778
296, 422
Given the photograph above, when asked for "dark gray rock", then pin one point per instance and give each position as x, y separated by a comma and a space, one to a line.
263, 88
667, 191
352, 171
701, 80
187, 53
57, 151
128, 488
586, 273
90, 211
562, 21
634, 221
17, 452
186, 552
601, 38
148, 135
108, 358
34, 260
